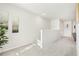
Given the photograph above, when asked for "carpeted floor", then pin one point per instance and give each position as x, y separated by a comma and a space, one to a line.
63, 47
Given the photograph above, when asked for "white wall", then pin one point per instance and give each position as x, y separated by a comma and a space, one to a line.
29, 26
55, 24
49, 37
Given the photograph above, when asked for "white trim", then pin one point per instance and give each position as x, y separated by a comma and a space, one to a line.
41, 43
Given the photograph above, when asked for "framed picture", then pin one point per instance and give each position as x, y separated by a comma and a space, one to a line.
15, 25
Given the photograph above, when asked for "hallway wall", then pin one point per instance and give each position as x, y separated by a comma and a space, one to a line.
29, 26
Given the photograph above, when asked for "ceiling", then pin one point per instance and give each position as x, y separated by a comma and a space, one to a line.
51, 10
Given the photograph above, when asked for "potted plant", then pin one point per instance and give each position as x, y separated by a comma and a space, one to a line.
3, 37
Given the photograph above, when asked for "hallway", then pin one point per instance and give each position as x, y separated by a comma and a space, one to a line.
42, 29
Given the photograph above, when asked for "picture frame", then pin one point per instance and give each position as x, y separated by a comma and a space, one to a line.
15, 24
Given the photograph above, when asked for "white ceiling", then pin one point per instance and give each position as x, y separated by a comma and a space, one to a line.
51, 10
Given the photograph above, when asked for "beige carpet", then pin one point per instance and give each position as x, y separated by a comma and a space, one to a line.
62, 47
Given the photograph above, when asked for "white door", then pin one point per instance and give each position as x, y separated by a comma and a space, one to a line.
67, 28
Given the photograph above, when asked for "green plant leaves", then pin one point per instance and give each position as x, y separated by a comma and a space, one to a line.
3, 38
